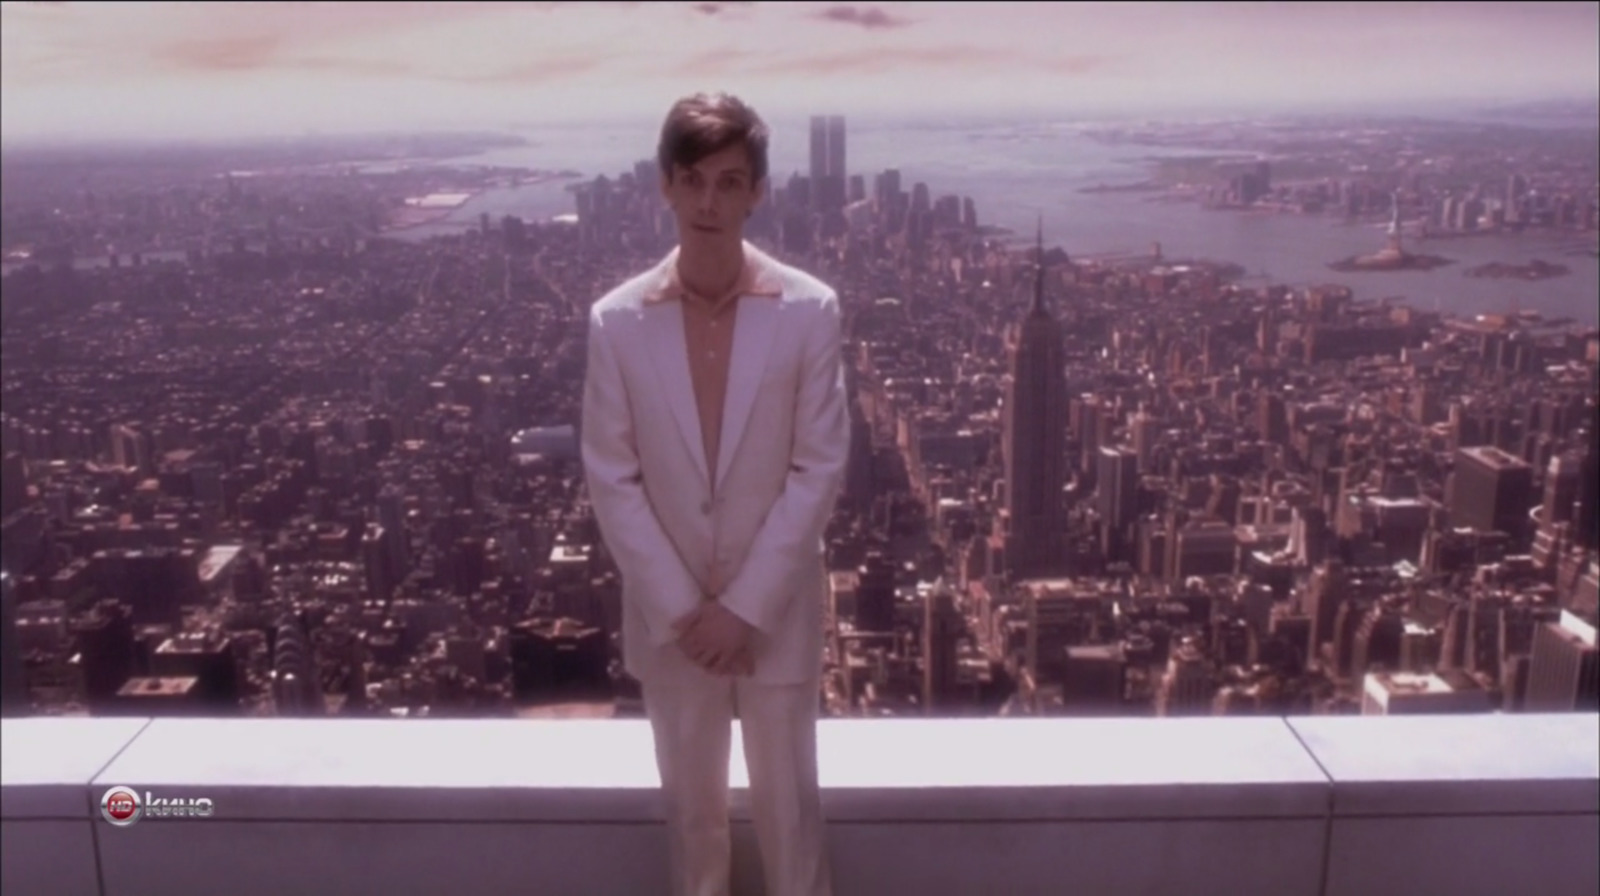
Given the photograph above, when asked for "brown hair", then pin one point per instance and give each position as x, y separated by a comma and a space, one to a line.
706, 124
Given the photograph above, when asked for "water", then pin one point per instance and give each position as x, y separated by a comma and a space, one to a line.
1014, 173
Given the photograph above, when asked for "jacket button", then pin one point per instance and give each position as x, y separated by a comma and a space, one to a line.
705, 508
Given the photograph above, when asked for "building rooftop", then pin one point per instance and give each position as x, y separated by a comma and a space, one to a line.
1412, 683
1494, 457
1288, 806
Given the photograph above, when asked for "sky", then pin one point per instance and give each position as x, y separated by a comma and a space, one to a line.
159, 70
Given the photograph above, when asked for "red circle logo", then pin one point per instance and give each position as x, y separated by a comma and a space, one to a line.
120, 806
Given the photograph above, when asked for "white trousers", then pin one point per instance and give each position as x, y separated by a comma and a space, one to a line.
691, 714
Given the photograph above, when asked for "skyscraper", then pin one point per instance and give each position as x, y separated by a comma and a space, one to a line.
1587, 511
1491, 491
105, 646
375, 562
1187, 688
296, 672
1422, 693
819, 149
392, 516
13, 485
828, 174
1378, 641
859, 479
1564, 670
1146, 430
1093, 678
1035, 442
1560, 490
941, 627
875, 594
13, 674
836, 156
1117, 494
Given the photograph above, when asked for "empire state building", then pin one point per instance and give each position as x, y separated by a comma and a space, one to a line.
1035, 443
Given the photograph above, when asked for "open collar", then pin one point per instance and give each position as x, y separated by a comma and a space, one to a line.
758, 279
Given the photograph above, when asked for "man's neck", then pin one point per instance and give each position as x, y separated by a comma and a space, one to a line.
711, 270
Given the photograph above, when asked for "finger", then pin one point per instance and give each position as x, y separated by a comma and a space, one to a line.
726, 662
708, 644
696, 651
689, 621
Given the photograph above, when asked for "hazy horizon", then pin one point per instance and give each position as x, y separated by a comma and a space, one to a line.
163, 71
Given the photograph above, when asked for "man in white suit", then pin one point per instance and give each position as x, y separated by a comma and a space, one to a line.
715, 436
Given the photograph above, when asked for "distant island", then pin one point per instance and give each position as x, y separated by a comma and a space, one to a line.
1393, 256
1536, 269
1387, 261
1144, 186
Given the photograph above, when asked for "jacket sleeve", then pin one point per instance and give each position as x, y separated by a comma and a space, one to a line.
654, 576
789, 542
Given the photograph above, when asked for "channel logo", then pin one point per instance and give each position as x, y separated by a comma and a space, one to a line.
121, 806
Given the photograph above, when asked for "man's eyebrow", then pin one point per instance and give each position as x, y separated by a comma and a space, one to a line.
740, 170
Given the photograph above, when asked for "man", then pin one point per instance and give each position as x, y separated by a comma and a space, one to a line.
715, 436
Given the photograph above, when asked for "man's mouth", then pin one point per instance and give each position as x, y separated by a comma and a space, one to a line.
706, 228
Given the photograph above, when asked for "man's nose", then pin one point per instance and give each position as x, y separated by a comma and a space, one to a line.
707, 198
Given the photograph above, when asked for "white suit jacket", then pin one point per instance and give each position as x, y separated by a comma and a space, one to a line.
755, 523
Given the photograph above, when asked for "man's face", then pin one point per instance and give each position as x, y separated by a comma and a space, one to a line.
712, 199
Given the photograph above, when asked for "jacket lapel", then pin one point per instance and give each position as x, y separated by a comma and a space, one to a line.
669, 351
754, 329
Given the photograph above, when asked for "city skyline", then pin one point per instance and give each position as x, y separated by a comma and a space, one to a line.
167, 70
1123, 485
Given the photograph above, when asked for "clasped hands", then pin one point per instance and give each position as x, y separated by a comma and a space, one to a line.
716, 639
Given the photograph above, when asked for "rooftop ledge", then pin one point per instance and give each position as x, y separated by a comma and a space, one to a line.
1322, 806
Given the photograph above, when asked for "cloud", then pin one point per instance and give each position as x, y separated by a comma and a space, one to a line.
337, 42
73, 65
357, 68
716, 63
727, 9
872, 60
870, 17
1075, 65
187, 40
533, 73
882, 60
528, 74
232, 53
